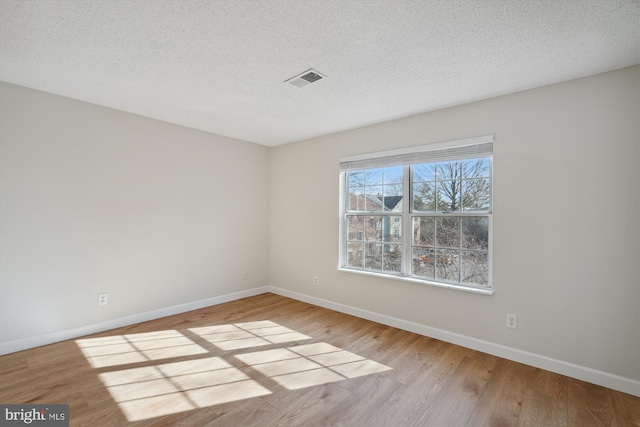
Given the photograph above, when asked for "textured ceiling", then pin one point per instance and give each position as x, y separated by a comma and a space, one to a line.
220, 65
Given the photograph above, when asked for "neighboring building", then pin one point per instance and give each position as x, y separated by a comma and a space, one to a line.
372, 236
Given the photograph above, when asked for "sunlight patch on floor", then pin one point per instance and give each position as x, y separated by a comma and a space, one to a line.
161, 389
132, 348
310, 365
170, 388
246, 335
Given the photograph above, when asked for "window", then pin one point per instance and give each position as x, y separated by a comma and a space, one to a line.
422, 214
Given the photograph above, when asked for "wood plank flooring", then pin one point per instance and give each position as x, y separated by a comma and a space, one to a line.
273, 361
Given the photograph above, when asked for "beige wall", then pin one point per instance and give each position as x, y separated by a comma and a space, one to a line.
95, 200
566, 211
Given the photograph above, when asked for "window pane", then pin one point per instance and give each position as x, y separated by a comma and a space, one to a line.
448, 232
422, 264
373, 176
448, 195
424, 196
424, 172
475, 233
373, 228
355, 185
355, 178
393, 197
373, 198
426, 255
448, 170
475, 267
476, 194
355, 227
447, 265
354, 255
474, 168
373, 256
424, 230
392, 257
392, 229
393, 175
356, 199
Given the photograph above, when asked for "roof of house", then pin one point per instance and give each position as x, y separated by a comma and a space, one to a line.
390, 202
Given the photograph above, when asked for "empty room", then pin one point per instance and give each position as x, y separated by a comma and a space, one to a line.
363, 213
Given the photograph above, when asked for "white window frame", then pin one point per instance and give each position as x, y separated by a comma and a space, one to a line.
451, 150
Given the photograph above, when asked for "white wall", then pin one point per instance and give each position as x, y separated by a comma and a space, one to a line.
566, 211
96, 200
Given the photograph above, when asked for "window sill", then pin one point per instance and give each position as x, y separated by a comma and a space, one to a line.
482, 291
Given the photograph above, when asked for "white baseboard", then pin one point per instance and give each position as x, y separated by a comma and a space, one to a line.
605, 379
65, 334
615, 382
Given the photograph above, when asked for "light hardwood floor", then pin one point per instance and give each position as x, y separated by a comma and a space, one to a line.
272, 361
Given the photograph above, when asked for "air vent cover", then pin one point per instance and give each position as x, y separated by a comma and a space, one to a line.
306, 78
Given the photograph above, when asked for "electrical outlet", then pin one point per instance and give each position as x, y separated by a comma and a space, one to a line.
512, 321
315, 280
103, 298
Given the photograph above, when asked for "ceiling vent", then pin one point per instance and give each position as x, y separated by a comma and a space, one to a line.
306, 78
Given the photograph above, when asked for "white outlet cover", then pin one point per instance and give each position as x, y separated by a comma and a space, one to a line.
103, 299
512, 321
